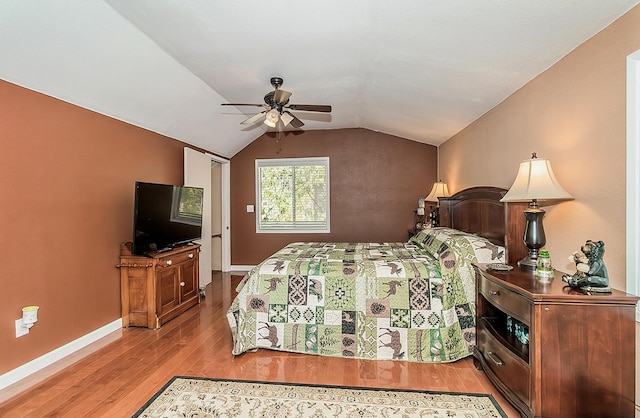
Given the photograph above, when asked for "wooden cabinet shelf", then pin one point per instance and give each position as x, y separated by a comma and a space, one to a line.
497, 328
580, 357
157, 288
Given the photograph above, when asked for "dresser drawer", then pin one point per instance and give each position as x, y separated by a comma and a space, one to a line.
505, 299
510, 369
173, 259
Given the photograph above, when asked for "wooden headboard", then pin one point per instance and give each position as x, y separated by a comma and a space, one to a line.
478, 210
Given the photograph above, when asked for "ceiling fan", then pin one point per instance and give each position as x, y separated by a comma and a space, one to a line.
276, 108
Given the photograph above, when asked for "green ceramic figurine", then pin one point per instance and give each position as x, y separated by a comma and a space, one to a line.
591, 273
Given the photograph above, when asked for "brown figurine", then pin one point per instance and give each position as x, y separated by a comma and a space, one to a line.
591, 273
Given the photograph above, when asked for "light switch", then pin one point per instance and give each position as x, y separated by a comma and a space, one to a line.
250, 208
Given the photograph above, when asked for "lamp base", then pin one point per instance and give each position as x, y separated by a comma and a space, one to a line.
528, 263
534, 237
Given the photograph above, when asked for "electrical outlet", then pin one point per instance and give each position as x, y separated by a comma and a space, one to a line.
21, 330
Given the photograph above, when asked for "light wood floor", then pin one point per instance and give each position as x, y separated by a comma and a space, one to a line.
118, 375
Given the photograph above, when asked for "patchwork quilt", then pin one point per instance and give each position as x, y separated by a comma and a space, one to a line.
410, 301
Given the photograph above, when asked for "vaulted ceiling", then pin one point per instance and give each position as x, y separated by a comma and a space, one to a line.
418, 69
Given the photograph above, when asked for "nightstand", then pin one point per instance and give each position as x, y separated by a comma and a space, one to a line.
418, 221
580, 357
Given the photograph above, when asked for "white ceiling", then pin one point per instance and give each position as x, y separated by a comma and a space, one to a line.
419, 69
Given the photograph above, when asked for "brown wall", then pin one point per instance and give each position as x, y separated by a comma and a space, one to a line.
574, 114
376, 180
67, 203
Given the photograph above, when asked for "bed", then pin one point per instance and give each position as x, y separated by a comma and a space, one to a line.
411, 301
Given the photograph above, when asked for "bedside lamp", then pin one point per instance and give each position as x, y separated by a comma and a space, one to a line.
535, 181
439, 189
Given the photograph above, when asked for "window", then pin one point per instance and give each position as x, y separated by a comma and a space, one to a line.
292, 195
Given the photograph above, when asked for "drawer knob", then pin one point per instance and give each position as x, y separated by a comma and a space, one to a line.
493, 357
182, 284
169, 262
494, 292
190, 255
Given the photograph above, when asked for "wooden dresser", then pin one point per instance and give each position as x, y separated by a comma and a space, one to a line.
580, 357
157, 288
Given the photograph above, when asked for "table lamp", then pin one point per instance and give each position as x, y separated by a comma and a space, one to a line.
439, 189
535, 181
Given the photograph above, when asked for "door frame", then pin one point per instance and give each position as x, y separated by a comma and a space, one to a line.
226, 209
633, 176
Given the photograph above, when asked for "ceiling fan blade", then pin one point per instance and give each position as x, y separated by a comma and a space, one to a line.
295, 122
281, 96
310, 108
242, 104
254, 118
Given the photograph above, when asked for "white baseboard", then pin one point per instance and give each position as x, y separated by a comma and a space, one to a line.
59, 353
242, 268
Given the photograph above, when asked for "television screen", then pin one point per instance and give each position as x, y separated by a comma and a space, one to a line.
165, 216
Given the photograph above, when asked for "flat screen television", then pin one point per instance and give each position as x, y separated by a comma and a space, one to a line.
165, 216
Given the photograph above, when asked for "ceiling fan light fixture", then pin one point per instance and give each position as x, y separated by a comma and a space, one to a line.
276, 108
286, 119
272, 118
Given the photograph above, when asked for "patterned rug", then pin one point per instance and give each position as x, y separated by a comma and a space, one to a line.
200, 397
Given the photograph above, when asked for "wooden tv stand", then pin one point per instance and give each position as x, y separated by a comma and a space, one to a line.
580, 358
158, 287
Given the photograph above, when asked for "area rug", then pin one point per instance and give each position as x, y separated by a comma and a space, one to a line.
208, 398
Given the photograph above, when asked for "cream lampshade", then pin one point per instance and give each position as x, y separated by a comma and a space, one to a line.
286, 119
535, 181
439, 189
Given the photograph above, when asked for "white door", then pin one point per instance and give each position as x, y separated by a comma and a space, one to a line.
633, 176
198, 172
